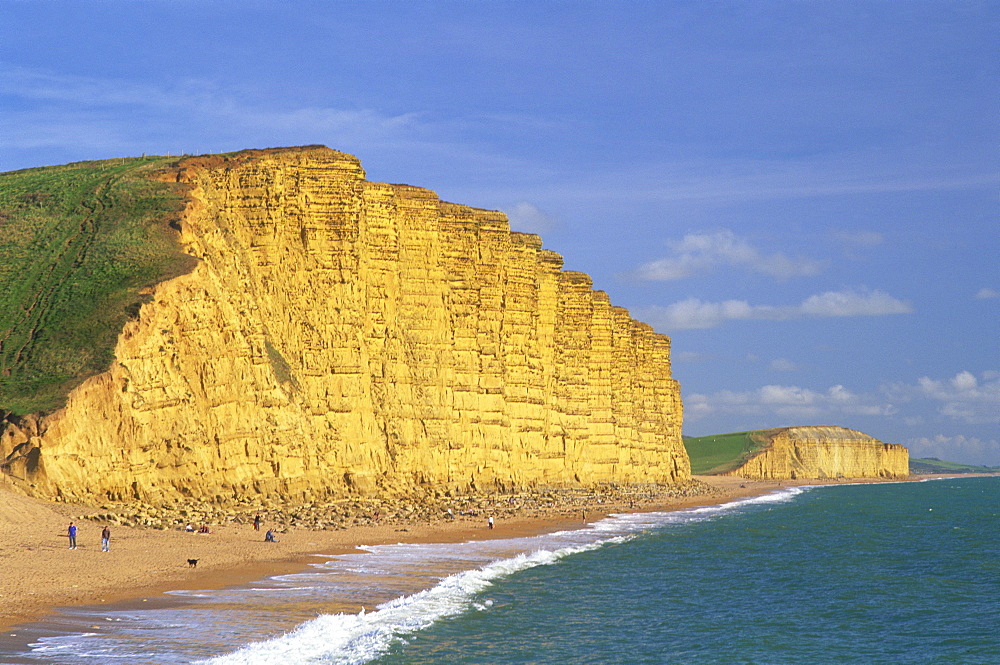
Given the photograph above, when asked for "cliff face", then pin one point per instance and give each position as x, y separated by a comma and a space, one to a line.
826, 452
341, 336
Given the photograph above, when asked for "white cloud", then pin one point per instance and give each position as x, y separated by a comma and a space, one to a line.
527, 218
853, 303
963, 397
986, 294
783, 365
701, 252
696, 314
790, 403
689, 357
970, 450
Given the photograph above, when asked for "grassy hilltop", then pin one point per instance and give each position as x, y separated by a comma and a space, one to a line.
721, 453
77, 245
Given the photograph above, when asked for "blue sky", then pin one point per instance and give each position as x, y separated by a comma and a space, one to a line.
803, 195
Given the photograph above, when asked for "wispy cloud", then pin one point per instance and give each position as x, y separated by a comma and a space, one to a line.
964, 397
854, 245
820, 176
690, 357
528, 218
860, 239
86, 117
789, 403
699, 253
89, 92
727, 180
972, 450
88, 112
987, 294
783, 365
322, 120
695, 314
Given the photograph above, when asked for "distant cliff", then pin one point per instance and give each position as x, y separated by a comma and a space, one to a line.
340, 336
824, 452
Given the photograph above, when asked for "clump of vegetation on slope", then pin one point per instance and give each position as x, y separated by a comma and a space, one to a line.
77, 245
722, 453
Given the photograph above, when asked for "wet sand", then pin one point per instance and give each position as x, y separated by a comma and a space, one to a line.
38, 571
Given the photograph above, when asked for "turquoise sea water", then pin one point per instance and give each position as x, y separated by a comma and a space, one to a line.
885, 573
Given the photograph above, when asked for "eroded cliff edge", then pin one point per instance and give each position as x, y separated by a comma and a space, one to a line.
341, 336
824, 452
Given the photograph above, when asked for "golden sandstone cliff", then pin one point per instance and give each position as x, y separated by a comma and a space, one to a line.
825, 452
343, 337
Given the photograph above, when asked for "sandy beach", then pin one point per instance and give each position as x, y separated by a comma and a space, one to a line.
39, 571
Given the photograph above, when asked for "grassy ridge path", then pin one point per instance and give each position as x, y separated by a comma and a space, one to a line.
719, 454
77, 245
71, 255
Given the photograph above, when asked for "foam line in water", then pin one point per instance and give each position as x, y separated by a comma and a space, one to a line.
780, 496
344, 639
452, 574
354, 639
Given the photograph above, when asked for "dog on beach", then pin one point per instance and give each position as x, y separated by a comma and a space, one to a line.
193, 563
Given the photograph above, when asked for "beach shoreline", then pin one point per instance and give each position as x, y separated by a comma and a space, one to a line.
41, 574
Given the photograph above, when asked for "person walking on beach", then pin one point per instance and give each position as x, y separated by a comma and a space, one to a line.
256, 523
106, 539
490, 521
72, 536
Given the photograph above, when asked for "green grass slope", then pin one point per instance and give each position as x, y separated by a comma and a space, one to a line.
934, 465
77, 244
721, 453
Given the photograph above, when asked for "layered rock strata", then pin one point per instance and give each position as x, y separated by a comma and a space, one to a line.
344, 337
825, 452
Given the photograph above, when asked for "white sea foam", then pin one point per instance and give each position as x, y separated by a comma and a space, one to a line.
454, 578
343, 639
779, 496
351, 639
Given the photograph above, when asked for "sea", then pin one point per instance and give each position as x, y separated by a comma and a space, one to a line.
846, 573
